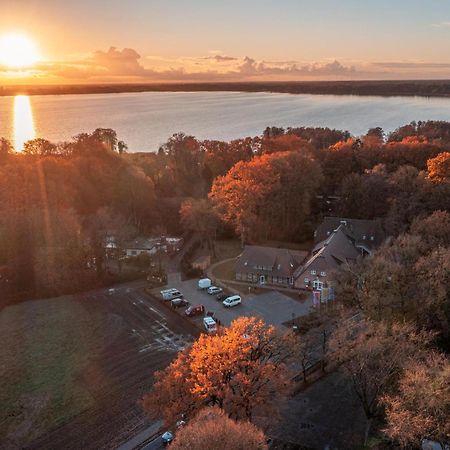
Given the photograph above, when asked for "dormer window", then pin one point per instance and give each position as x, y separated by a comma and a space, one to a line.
364, 237
313, 272
323, 274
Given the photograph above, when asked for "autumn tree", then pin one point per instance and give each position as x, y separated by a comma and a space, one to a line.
6, 149
107, 136
184, 159
420, 408
374, 137
211, 428
220, 157
238, 370
269, 196
363, 196
407, 278
40, 147
439, 167
199, 217
372, 354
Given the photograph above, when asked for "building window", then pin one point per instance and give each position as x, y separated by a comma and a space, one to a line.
306, 280
323, 274
364, 237
133, 252
313, 272
371, 238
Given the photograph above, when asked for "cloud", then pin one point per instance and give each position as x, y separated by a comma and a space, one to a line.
252, 67
119, 62
127, 65
441, 24
412, 65
221, 58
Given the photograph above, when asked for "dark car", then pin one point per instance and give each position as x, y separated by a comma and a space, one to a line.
179, 302
196, 310
221, 297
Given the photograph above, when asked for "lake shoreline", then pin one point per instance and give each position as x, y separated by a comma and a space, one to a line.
403, 88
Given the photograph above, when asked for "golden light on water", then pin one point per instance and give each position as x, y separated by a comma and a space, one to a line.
23, 121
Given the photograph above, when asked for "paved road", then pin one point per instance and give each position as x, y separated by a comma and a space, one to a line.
274, 307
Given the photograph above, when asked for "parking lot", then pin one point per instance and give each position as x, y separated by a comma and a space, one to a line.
273, 307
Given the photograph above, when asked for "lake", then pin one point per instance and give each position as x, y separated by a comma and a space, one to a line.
145, 120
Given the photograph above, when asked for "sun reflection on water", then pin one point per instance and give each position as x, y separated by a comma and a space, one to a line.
23, 121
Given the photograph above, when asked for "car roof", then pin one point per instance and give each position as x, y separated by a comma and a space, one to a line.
209, 320
233, 297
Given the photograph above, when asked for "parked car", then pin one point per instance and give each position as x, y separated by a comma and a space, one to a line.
221, 297
234, 300
167, 437
204, 283
213, 290
179, 302
195, 310
169, 294
210, 324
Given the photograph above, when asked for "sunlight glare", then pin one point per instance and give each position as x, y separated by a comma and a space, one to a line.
17, 51
23, 122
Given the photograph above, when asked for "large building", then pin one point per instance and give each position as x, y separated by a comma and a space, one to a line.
366, 235
337, 241
268, 265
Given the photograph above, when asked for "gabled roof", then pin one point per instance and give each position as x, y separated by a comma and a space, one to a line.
367, 233
277, 261
329, 254
141, 243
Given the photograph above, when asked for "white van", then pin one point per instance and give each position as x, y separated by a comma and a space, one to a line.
234, 300
170, 294
204, 283
210, 324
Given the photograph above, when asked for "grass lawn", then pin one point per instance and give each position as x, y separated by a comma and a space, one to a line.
45, 346
225, 270
229, 248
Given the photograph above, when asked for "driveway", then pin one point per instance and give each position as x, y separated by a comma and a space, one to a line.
273, 307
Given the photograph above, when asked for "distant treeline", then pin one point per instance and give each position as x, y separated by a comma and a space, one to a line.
423, 88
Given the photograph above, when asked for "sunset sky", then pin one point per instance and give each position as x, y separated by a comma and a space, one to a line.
92, 41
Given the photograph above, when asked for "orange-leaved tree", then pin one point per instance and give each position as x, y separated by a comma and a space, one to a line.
439, 167
212, 428
268, 196
421, 407
240, 370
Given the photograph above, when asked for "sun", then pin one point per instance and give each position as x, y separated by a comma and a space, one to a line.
17, 51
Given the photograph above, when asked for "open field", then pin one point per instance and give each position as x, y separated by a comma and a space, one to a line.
74, 368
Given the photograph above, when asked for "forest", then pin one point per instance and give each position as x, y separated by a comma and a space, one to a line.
59, 201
